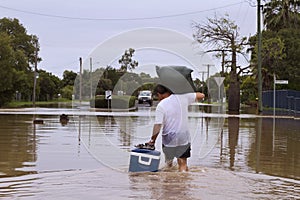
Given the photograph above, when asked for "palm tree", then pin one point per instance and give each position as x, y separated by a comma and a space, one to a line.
281, 14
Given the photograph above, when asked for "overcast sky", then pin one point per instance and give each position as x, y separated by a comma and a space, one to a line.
69, 29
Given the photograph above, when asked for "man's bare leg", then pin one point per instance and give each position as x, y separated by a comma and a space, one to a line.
169, 163
182, 164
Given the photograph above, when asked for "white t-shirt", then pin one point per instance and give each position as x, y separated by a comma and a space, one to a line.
172, 113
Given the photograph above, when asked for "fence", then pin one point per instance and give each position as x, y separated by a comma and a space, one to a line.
288, 100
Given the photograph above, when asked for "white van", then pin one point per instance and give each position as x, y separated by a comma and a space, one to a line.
145, 96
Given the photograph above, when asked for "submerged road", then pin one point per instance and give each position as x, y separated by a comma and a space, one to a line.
141, 111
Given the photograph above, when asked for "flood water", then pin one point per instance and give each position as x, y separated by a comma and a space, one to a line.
245, 157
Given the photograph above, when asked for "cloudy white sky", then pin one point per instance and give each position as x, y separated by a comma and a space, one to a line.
69, 29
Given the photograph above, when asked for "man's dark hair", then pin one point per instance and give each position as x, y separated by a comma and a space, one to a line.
161, 89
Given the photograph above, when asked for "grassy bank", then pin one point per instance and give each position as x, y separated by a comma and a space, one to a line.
29, 104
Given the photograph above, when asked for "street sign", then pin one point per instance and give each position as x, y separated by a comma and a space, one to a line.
108, 94
281, 82
274, 91
219, 80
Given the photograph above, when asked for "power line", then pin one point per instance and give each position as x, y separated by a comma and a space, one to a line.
119, 19
252, 3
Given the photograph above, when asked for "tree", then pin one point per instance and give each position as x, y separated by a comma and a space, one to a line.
290, 65
280, 44
272, 56
22, 49
68, 78
126, 61
7, 71
23, 82
23, 45
67, 84
281, 14
49, 86
67, 92
249, 90
113, 75
282, 19
221, 35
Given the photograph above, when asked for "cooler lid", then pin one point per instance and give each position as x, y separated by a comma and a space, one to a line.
147, 151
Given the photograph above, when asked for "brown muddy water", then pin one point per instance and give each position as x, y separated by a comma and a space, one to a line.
245, 157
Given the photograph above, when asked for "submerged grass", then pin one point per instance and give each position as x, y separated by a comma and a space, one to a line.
29, 104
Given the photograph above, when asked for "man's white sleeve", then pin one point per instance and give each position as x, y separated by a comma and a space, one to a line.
159, 116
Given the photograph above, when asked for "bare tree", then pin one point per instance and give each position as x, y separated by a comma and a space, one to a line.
221, 36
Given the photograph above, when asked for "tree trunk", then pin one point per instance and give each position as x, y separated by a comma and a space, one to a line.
234, 88
234, 95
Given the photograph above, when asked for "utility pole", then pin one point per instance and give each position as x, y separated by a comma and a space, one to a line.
208, 93
80, 81
35, 73
91, 78
202, 79
260, 108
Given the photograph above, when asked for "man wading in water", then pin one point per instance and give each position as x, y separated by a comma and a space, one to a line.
172, 116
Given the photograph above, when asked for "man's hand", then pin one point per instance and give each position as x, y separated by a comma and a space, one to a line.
151, 142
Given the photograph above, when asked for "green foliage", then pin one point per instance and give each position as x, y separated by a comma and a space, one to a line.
282, 19
249, 91
128, 82
123, 102
17, 52
281, 14
280, 55
147, 86
103, 85
117, 102
200, 86
7, 71
280, 46
23, 81
290, 66
49, 86
111, 74
67, 92
272, 56
99, 102
68, 78
126, 61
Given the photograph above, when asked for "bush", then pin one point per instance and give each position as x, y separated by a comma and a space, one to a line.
67, 92
117, 102
249, 91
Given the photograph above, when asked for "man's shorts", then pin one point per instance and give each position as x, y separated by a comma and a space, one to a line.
177, 152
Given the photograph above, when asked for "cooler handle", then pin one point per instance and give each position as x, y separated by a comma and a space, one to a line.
145, 162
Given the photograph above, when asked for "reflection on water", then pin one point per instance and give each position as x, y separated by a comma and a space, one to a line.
233, 134
278, 147
88, 156
262, 148
17, 145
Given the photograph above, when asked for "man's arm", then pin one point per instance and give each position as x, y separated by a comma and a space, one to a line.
155, 132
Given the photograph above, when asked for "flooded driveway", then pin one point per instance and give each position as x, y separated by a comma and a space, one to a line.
245, 157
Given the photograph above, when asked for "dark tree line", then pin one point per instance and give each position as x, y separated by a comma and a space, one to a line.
18, 58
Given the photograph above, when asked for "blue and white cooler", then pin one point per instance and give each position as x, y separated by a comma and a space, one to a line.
144, 160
